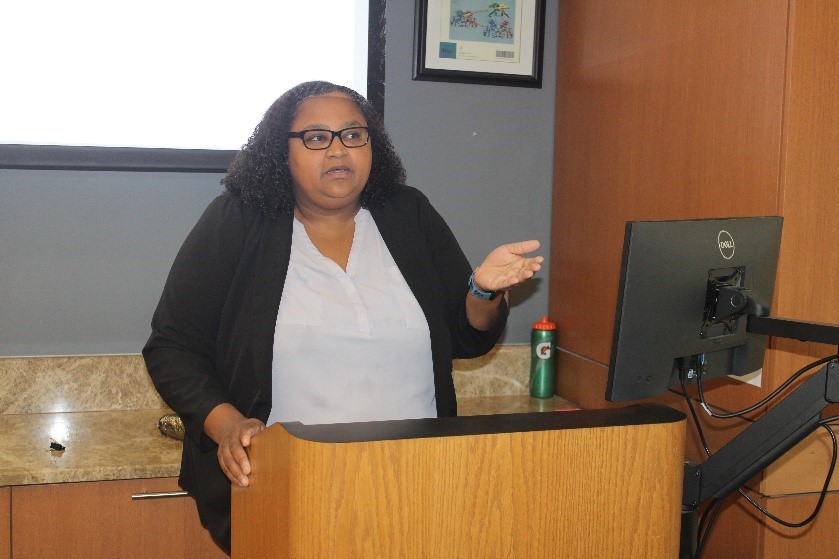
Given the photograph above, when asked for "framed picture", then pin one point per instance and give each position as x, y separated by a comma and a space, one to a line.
479, 41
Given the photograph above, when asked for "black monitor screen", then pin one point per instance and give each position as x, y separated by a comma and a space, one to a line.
665, 320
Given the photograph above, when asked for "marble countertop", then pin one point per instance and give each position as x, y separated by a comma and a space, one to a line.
98, 446
126, 444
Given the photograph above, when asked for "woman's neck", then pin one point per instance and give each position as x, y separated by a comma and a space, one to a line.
332, 233
321, 217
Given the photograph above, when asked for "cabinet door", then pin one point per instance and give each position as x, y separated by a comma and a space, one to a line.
100, 519
5, 523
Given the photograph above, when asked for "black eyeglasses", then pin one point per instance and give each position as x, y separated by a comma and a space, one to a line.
353, 137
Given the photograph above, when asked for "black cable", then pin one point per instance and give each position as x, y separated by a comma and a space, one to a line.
709, 517
713, 508
772, 395
822, 495
710, 514
693, 412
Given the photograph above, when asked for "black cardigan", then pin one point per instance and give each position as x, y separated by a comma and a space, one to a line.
213, 330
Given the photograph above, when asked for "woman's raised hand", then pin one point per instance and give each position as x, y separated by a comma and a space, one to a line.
507, 266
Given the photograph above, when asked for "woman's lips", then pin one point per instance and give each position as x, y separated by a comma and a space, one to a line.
339, 170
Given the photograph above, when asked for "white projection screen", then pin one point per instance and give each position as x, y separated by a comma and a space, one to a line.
188, 74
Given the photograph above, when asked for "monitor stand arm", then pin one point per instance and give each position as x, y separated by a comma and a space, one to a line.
779, 429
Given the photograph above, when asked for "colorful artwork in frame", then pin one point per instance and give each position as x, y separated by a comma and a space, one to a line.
478, 41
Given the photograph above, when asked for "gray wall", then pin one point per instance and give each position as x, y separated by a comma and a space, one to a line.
84, 254
483, 154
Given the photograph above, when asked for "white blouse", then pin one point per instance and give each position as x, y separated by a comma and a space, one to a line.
349, 346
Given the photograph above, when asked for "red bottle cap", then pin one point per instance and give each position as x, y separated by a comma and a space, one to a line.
544, 324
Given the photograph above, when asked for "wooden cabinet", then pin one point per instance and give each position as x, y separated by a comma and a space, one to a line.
695, 109
100, 519
5, 523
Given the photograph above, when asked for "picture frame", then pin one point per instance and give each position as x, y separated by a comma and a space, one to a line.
479, 41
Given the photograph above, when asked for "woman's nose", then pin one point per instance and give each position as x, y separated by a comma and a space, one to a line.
336, 148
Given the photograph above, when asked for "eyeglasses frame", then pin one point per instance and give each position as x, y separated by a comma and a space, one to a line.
335, 134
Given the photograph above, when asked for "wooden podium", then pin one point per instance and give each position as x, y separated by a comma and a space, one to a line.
599, 484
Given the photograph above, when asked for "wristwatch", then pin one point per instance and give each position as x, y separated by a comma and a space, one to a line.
478, 292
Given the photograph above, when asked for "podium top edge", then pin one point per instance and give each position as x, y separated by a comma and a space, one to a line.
638, 414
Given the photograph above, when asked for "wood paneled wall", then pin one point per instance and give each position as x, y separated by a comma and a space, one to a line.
694, 109
665, 110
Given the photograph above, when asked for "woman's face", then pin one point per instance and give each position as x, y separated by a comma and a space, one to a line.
332, 178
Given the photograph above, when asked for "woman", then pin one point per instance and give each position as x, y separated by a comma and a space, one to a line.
317, 288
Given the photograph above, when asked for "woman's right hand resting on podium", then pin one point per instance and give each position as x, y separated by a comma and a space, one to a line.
232, 432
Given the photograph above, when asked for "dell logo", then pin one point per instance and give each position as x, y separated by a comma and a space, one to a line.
726, 244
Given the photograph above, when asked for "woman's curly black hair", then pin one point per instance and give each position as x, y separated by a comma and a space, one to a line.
259, 172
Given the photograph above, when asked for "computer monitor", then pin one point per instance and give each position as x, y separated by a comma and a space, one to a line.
679, 302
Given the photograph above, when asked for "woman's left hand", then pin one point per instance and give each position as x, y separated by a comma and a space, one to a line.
507, 266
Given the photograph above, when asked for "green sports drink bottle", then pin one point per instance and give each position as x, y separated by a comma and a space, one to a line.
542, 360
